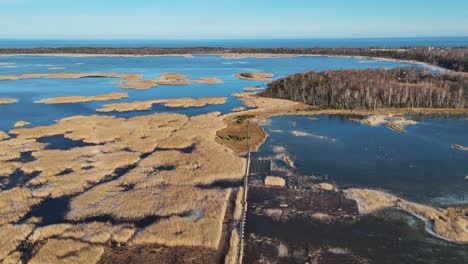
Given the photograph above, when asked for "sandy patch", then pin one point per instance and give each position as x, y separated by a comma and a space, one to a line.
21, 124
83, 99
4, 101
394, 123
254, 76
274, 181
459, 147
451, 223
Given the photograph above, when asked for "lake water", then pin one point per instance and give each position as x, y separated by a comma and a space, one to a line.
30, 90
419, 165
243, 43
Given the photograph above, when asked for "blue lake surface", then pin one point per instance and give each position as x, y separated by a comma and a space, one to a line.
244, 43
30, 90
419, 165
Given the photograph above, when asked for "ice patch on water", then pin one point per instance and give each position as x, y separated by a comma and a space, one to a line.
233, 62
305, 134
44, 65
367, 61
450, 200
276, 131
279, 149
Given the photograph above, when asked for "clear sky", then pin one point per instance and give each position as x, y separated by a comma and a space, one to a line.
230, 19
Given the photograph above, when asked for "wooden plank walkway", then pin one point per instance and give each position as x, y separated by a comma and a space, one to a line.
244, 201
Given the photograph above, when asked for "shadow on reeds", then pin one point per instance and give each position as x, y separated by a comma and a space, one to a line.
17, 179
59, 142
221, 184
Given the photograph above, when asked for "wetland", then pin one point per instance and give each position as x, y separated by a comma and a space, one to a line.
155, 174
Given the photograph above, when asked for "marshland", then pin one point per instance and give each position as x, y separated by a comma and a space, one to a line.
142, 158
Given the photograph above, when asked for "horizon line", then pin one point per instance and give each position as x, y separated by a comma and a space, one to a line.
224, 39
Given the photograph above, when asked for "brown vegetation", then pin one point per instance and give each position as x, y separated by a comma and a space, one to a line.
172, 103
15, 203
94, 232
83, 99
67, 251
234, 135
3, 135
239, 204
204, 227
451, 223
112, 179
10, 238
233, 253
166, 79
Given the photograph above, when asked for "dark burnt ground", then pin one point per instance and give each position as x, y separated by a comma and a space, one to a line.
158, 254
301, 203
312, 225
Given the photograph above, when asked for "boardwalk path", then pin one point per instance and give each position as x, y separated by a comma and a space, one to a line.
244, 200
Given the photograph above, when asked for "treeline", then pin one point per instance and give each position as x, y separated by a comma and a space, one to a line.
450, 58
372, 89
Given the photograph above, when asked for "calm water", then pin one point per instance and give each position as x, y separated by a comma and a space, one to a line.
419, 165
30, 90
245, 43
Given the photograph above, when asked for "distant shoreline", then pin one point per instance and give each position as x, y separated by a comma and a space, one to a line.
454, 59
225, 55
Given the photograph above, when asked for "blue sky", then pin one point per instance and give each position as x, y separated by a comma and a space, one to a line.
221, 19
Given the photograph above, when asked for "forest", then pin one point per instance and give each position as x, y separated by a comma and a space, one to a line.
373, 89
455, 58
